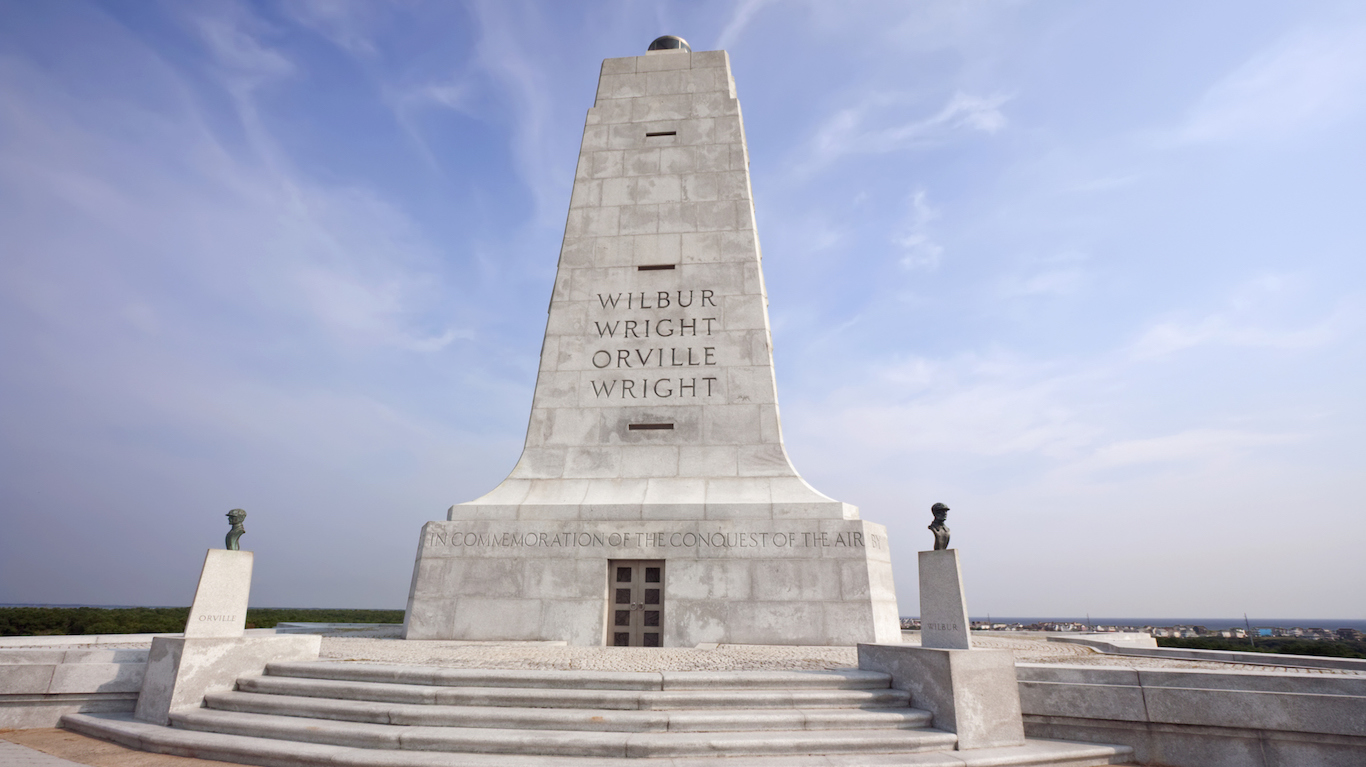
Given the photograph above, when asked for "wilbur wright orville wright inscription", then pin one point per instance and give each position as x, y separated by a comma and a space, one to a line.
654, 503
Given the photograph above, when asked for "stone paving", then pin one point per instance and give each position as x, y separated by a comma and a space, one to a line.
53, 747
514, 655
15, 755
383, 645
1042, 651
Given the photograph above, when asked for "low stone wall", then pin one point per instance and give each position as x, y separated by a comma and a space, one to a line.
38, 686
72, 640
1180, 718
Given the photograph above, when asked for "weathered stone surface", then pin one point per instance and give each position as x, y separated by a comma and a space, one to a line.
1197, 718
39, 686
180, 671
655, 414
972, 693
220, 600
241, 748
943, 606
736, 581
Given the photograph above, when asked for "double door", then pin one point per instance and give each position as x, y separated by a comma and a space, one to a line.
636, 587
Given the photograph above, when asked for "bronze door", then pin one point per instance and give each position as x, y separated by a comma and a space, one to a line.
636, 617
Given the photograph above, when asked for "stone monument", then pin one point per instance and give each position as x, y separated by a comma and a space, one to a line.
654, 503
943, 606
972, 693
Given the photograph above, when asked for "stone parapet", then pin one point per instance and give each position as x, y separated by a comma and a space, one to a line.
1189, 718
37, 687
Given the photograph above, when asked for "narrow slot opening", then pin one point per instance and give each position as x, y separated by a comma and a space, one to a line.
654, 267
652, 134
648, 426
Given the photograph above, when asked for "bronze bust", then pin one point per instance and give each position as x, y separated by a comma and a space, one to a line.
940, 530
235, 518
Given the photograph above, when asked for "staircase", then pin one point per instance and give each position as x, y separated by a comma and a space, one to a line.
330, 713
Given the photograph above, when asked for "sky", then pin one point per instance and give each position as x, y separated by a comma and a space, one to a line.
1089, 273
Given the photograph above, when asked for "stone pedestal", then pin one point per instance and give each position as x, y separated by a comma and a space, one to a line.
972, 693
220, 600
943, 606
214, 651
182, 670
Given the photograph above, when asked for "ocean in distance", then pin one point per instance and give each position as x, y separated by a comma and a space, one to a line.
1209, 623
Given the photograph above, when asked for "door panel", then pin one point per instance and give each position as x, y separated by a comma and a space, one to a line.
637, 610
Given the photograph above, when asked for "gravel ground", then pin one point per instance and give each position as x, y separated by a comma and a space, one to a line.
547, 656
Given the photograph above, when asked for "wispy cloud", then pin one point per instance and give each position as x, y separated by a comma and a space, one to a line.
506, 31
918, 250
744, 13
1309, 77
1049, 282
979, 404
342, 260
1248, 319
1169, 337
232, 37
869, 128
347, 23
1184, 448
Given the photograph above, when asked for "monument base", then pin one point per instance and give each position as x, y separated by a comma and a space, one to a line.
972, 693
737, 581
182, 670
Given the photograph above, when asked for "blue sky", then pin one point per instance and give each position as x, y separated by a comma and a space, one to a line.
1090, 273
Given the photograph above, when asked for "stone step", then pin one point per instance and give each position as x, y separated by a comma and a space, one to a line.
599, 720
121, 728
841, 679
617, 700
474, 740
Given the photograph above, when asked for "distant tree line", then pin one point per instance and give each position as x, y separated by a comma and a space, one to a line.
1342, 648
44, 621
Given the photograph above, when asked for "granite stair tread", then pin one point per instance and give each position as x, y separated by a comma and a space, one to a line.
121, 728
561, 742
843, 679
637, 720
561, 697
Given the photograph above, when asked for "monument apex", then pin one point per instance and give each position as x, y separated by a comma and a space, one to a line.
654, 502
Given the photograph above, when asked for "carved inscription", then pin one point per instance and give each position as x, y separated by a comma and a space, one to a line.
657, 540
676, 345
940, 626
218, 618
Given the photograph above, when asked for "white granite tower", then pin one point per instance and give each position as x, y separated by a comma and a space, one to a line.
654, 503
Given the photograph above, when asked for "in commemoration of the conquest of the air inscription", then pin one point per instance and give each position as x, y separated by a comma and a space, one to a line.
717, 539
654, 446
